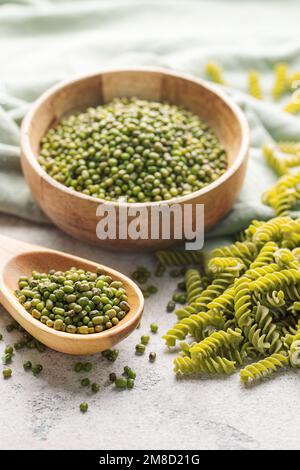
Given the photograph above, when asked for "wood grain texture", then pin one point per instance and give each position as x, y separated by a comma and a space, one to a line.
75, 213
20, 259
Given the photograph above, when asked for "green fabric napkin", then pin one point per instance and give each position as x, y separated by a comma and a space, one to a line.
44, 41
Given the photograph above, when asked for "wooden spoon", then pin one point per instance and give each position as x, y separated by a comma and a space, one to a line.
20, 259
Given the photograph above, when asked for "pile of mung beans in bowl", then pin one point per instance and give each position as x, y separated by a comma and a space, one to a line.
144, 151
116, 138
74, 301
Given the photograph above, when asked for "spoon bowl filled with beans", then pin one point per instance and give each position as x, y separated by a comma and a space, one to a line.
68, 303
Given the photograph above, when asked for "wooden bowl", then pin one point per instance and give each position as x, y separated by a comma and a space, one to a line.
74, 212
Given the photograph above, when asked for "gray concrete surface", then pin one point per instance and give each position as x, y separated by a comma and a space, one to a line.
161, 412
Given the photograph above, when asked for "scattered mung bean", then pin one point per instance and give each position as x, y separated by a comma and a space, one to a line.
85, 382
110, 354
154, 327
37, 369
87, 366
7, 373
171, 306
83, 407
130, 383
112, 377
145, 339
152, 357
95, 387
140, 349
78, 367
121, 383
128, 372
27, 365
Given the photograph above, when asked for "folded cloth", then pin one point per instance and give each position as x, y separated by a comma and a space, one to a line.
44, 41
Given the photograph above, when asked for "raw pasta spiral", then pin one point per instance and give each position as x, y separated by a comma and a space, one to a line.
270, 231
239, 356
212, 365
216, 288
224, 303
194, 286
294, 77
179, 258
194, 325
257, 338
219, 265
246, 251
269, 330
254, 86
263, 368
271, 299
284, 194
275, 281
215, 73
285, 258
289, 147
281, 82
293, 106
265, 256
274, 161
292, 292
208, 346
295, 348
242, 302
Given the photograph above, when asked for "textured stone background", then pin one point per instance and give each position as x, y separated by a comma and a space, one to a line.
161, 412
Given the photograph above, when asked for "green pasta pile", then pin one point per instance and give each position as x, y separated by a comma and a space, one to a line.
249, 312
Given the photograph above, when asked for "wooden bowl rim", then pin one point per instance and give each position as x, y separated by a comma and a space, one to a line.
124, 324
32, 159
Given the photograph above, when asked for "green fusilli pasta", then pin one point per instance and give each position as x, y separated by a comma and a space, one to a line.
263, 368
294, 350
254, 86
215, 73
179, 257
284, 194
271, 299
270, 231
246, 251
219, 265
265, 256
275, 281
273, 160
194, 286
289, 147
216, 288
250, 309
212, 365
242, 302
193, 325
281, 81
210, 345
269, 330
258, 339
285, 258
224, 303
292, 106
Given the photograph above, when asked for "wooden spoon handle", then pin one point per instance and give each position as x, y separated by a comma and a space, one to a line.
9, 247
